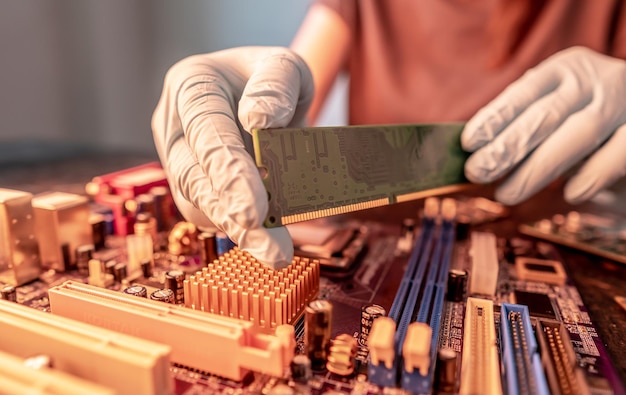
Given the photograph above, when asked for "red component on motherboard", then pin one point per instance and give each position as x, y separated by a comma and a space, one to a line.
119, 191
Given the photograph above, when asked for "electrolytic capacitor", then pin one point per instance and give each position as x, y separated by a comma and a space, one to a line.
162, 208
120, 272
457, 285
146, 268
136, 290
368, 314
163, 295
301, 368
445, 370
174, 280
84, 253
145, 224
8, 292
318, 331
109, 267
98, 231
208, 247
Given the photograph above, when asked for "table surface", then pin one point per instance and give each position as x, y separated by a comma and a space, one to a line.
598, 280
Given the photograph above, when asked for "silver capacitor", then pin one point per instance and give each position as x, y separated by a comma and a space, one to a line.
369, 313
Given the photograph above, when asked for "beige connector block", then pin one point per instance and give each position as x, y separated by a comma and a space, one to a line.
380, 341
219, 345
19, 251
416, 347
127, 364
16, 378
60, 219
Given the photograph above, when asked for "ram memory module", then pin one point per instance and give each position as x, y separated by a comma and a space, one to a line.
316, 172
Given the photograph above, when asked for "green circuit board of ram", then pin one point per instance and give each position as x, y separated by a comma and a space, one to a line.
321, 171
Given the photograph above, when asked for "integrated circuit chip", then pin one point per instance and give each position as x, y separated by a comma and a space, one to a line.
317, 172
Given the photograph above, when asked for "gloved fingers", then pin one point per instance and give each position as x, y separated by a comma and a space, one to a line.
506, 107
278, 93
601, 170
524, 134
206, 109
272, 247
579, 135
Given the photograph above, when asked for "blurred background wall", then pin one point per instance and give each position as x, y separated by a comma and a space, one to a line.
86, 74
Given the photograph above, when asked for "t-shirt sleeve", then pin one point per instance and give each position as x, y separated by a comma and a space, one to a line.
347, 9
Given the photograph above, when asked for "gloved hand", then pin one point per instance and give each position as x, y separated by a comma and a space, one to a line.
208, 105
568, 107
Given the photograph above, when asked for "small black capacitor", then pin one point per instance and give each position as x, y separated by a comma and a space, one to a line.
457, 285
174, 280
8, 292
317, 332
208, 247
163, 295
120, 272
98, 231
146, 268
162, 208
369, 313
463, 225
445, 370
136, 290
67, 259
109, 267
145, 204
84, 253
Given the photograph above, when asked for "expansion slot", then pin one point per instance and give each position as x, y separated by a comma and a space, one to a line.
196, 338
521, 361
127, 364
16, 377
480, 372
559, 360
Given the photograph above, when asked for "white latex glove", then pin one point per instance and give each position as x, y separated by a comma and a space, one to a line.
570, 106
208, 105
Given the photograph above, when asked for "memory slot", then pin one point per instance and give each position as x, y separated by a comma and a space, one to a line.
197, 339
431, 307
523, 373
559, 359
126, 364
404, 302
16, 377
480, 368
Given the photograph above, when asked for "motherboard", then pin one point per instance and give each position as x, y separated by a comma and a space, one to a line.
111, 291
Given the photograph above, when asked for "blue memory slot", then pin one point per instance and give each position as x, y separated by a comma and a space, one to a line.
522, 369
435, 290
380, 374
